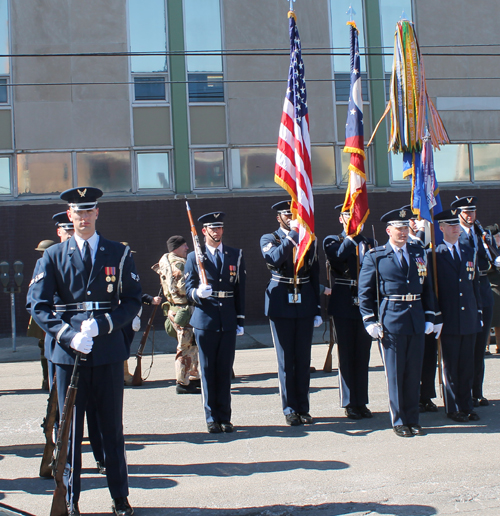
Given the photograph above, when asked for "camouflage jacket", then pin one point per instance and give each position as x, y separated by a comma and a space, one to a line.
171, 270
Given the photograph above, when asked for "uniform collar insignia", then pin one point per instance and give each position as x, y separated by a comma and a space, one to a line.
82, 192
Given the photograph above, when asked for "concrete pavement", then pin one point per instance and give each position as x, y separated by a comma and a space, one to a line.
334, 467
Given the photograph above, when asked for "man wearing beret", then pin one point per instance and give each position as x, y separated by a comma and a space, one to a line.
171, 270
87, 291
218, 317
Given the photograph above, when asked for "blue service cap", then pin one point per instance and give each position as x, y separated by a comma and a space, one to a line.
399, 217
62, 220
465, 203
82, 198
408, 208
213, 220
448, 216
284, 207
339, 207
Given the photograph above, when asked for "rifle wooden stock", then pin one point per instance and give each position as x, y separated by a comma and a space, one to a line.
137, 377
48, 428
327, 367
197, 247
59, 507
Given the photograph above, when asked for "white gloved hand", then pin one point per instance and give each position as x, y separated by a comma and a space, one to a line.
204, 291
374, 330
429, 328
136, 323
437, 329
82, 343
318, 321
420, 224
497, 262
240, 331
90, 328
294, 225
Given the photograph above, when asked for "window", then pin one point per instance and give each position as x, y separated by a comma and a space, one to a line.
4, 49
153, 170
44, 173
209, 169
149, 88
257, 167
323, 165
109, 171
486, 160
5, 175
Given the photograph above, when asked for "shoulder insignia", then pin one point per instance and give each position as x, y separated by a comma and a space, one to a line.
38, 277
135, 277
186, 275
376, 249
267, 247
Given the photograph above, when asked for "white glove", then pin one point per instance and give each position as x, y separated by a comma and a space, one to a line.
204, 291
374, 330
294, 224
318, 321
497, 262
420, 224
437, 329
240, 331
429, 328
136, 323
82, 342
90, 328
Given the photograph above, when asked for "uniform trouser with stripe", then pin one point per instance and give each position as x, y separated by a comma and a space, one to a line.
216, 357
292, 341
105, 385
482, 339
354, 345
458, 371
428, 379
402, 357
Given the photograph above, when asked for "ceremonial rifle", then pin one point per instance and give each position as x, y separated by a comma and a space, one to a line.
48, 428
197, 247
137, 377
327, 367
376, 280
59, 507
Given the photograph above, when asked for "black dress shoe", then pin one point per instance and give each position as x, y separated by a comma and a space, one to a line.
214, 428
402, 431
416, 430
195, 383
365, 412
459, 417
121, 507
473, 416
293, 419
352, 413
483, 402
475, 402
186, 389
306, 419
429, 405
226, 426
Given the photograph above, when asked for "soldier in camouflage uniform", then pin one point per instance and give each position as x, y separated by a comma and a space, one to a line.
178, 313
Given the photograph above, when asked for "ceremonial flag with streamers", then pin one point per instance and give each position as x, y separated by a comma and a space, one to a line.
293, 158
356, 198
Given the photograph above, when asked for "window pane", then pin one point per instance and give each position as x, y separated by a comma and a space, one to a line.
323, 166
343, 86
3, 90
109, 171
5, 175
148, 34
486, 159
209, 169
257, 167
341, 34
44, 173
152, 169
345, 160
149, 88
390, 12
4, 36
205, 88
203, 32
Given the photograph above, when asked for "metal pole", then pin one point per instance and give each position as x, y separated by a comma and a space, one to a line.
13, 319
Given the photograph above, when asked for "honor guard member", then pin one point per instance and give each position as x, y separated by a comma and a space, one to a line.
460, 307
171, 270
98, 293
471, 235
218, 317
293, 308
395, 275
345, 256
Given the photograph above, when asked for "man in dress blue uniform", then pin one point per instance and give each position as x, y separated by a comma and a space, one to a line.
460, 307
396, 274
471, 235
86, 292
218, 317
345, 256
293, 308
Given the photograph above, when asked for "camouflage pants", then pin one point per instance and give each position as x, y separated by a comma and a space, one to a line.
186, 358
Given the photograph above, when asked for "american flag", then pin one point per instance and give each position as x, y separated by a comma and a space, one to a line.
293, 158
356, 197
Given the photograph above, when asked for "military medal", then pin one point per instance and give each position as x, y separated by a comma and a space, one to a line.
110, 275
421, 268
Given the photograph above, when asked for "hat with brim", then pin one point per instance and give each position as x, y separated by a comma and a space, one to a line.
62, 221
213, 220
82, 198
397, 218
465, 203
449, 217
283, 207
339, 207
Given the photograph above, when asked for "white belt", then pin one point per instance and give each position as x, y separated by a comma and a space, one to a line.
407, 297
291, 281
342, 281
221, 293
85, 306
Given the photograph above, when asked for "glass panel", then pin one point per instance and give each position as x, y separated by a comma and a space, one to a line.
257, 167
486, 159
451, 164
109, 171
3, 90
205, 87
4, 36
323, 166
203, 32
341, 34
44, 173
148, 34
5, 175
149, 88
343, 86
209, 169
390, 13
152, 169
